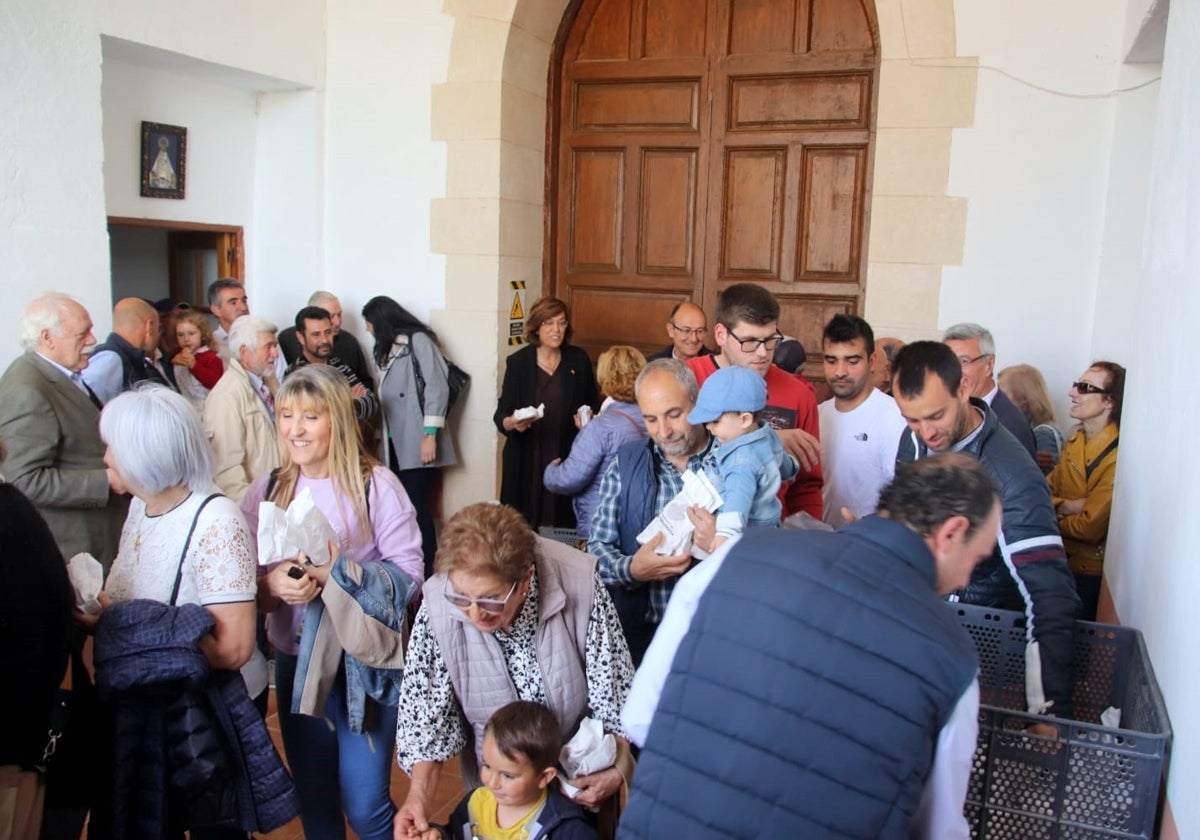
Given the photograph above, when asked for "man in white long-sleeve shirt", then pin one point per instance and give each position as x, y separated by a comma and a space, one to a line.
811, 684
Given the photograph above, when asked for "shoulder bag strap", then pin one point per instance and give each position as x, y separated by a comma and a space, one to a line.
186, 544
1095, 462
412, 354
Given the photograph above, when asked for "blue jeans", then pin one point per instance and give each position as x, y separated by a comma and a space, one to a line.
363, 762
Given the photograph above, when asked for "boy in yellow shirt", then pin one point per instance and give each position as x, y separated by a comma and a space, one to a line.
518, 799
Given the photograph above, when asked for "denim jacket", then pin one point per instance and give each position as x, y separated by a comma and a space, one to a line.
359, 620
751, 469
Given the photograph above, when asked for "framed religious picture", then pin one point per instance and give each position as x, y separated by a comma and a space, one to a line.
164, 160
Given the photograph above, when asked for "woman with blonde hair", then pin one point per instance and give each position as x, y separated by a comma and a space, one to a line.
336, 628
619, 421
1026, 387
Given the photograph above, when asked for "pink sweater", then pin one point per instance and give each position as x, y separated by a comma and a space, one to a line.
396, 538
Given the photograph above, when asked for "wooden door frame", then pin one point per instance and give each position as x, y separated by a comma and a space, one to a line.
238, 263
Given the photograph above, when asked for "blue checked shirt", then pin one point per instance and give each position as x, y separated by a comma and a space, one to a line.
605, 540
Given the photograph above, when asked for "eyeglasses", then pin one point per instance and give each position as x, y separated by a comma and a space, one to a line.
1088, 388
751, 345
488, 605
690, 332
965, 362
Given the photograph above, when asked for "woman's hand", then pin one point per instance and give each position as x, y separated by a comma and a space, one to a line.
410, 820
1071, 507
291, 590
428, 449
321, 573
597, 787
87, 621
184, 358
512, 424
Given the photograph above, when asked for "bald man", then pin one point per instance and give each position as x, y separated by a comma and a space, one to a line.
127, 356
687, 328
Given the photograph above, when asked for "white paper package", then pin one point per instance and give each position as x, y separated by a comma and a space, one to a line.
301, 528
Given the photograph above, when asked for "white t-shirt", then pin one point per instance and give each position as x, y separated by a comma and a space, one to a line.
858, 453
219, 568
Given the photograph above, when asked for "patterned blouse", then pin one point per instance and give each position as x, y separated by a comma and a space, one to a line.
431, 725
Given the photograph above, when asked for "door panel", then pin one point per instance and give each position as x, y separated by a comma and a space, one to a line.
667, 200
698, 143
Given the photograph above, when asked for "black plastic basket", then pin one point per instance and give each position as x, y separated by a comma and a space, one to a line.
567, 536
1089, 780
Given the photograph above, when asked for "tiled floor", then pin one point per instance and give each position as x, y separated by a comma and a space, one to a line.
449, 792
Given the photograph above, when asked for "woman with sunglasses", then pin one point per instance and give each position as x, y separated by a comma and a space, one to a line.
335, 690
1082, 483
506, 616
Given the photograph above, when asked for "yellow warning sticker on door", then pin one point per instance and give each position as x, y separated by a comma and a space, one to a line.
516, 313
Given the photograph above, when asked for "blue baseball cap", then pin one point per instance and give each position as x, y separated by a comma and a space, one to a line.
731, 388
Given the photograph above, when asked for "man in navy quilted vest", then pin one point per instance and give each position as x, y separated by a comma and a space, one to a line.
812, 684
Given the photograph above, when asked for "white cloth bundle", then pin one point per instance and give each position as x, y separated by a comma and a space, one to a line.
301, 528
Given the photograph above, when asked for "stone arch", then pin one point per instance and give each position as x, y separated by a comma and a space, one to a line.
491, 113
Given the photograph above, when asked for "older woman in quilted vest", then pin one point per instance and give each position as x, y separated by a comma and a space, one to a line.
507, 616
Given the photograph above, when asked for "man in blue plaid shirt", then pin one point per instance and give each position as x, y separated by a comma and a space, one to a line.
635, 488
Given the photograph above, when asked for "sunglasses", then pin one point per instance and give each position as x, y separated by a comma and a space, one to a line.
1087, 388
488, 605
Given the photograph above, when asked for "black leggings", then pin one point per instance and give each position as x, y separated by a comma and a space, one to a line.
417, 484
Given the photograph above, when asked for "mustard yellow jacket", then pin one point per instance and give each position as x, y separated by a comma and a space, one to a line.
1084, 533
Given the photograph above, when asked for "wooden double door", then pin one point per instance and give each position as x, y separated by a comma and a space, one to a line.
700, 143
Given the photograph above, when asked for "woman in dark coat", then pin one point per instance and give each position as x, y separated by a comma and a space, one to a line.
550, 372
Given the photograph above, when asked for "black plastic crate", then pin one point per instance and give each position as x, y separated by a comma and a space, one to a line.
567, 536
1087, 781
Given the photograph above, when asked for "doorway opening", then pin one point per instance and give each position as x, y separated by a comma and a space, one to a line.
155, 259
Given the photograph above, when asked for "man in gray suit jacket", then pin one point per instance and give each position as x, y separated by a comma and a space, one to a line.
50, 423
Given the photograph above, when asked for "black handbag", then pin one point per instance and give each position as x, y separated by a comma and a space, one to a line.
457, 380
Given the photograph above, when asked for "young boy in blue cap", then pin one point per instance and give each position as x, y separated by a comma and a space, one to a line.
750, 460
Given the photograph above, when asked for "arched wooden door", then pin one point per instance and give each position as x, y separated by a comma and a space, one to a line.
698, 143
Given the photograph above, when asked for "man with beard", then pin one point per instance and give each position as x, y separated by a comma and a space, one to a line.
314, 331
345, 345
860, 426
637, 485
1028, 569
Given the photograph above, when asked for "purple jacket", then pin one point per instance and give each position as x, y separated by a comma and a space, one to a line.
591, 453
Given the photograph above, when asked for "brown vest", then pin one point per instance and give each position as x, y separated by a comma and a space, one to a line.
476, 663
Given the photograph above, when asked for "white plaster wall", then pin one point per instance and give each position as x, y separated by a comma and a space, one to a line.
52, 208
52, 227
1117, 291
382, 168
286, 252
1034, 169
280, 38
1153, 572
222, 126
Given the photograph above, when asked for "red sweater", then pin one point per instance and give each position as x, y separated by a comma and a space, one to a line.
208, 368
790, 405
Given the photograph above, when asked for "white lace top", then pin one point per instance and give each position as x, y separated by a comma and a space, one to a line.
219, 568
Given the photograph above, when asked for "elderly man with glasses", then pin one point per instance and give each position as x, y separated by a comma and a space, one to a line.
747, 333
687, 328
976, 352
